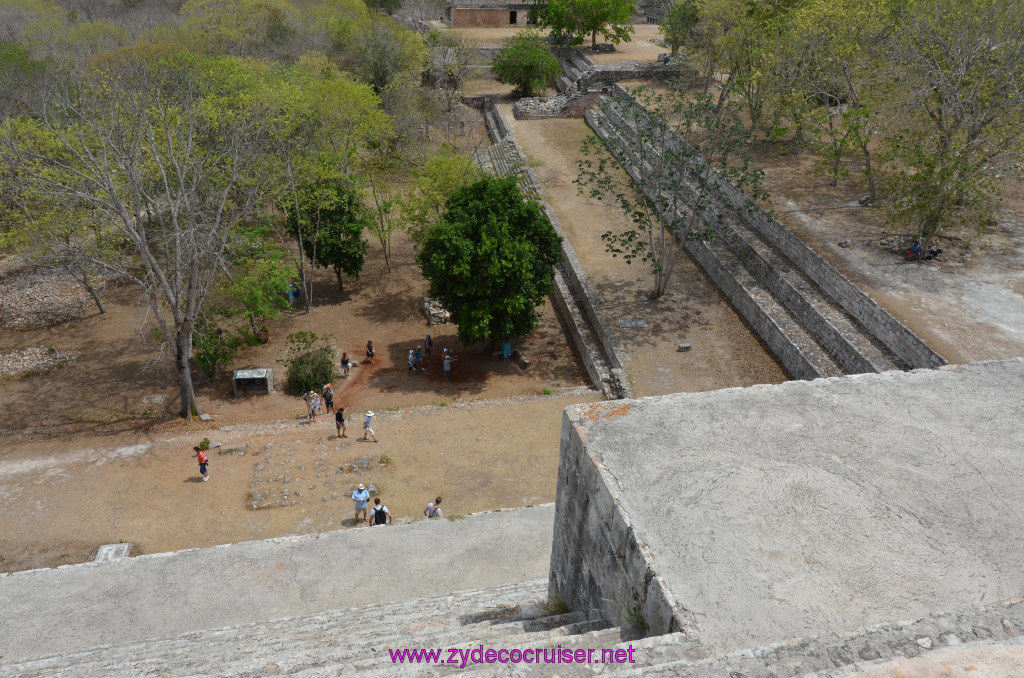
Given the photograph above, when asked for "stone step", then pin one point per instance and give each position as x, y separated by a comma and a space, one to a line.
348, 635
165, 595
838, 344
811, 360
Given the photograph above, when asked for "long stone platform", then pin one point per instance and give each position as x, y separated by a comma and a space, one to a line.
746, 517
162, 595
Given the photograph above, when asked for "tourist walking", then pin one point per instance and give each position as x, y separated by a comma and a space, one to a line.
360, 496
412, 360
433, 509
419, 360
379, 515
428, 344
339, 422
345, 363
446, 362
368, 425
328, 395
310, 399
203, 460
370, 353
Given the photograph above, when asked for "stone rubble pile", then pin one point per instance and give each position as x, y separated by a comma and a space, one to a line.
436, 314
37, 298
24, 360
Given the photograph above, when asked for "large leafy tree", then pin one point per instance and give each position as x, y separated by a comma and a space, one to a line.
572, 21
490, 260
679, 23
526, 62
961, 65
332, 221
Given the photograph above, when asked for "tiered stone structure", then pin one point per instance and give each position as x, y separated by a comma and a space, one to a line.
816, 321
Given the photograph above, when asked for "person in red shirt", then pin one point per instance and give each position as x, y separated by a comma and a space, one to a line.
203, 461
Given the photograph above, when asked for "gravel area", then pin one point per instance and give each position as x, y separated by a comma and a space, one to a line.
37, 298
24, 360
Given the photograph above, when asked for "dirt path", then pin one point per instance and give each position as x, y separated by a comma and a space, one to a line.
724, 354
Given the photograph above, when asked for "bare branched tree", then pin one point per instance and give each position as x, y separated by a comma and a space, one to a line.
167, 157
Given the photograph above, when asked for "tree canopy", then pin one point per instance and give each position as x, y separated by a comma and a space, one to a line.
490, 260
572, 21
526, 62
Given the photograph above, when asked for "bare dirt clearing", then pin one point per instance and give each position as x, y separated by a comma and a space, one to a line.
141, 485
61, 500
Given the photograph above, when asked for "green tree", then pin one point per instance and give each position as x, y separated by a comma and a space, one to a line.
439, 177
526, 62
239, 27
960, 65
679, 22
331, 220
571, 21
491, 260
666, 179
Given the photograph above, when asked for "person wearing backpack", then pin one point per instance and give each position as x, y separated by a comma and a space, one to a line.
203, 460
379, 515
433, 509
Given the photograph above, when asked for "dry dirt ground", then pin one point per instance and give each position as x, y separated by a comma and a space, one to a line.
136, 483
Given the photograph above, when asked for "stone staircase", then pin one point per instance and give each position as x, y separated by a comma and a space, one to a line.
357, 641
811, 334
574, 76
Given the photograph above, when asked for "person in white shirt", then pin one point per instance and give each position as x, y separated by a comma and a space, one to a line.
433, 509
367, 424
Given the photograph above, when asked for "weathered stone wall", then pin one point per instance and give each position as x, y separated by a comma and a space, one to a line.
788, 353
906, 345
597, 564
479, 17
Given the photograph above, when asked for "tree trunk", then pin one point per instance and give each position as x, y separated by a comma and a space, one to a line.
593, 41
84, 281
183, 366
337, 272
869, 173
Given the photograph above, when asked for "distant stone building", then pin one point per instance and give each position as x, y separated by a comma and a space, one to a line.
486, 13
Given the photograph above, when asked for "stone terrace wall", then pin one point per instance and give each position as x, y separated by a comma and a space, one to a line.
906, 345
597, 564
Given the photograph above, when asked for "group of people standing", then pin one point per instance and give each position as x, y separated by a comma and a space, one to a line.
417, 354
379, 514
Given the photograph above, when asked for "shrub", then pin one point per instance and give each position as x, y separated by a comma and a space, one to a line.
309, 363
526, 62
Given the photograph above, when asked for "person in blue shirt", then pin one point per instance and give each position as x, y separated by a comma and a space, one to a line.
360, 496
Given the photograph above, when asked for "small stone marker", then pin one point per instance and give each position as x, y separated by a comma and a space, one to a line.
633, 323
205, 417
108, 553
157, 399
683, 348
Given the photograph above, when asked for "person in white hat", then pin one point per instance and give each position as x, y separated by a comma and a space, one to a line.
360, 496
367, 424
